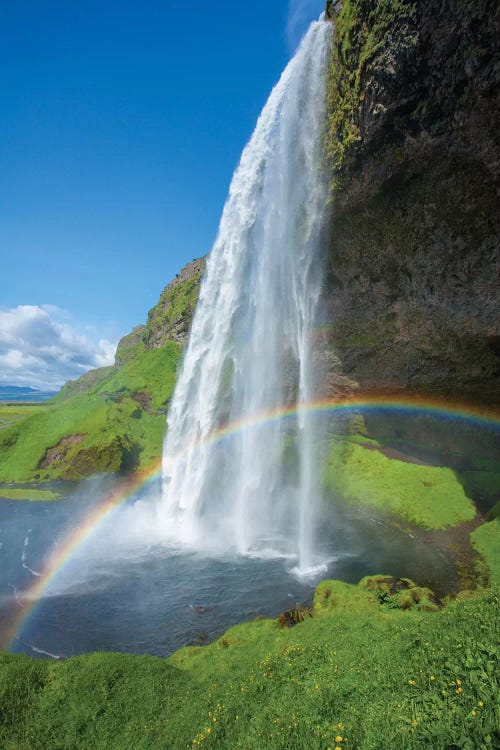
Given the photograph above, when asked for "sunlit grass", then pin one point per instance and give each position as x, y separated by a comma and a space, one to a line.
430, 496
117, 431
356, 675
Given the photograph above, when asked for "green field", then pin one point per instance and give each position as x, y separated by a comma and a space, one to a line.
358, 674
11, 412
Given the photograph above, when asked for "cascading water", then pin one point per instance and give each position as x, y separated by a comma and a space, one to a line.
249, 347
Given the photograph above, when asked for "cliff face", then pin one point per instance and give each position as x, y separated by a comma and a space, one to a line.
170, 319
413, 142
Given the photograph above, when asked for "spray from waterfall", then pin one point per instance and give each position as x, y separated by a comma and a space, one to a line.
250, 345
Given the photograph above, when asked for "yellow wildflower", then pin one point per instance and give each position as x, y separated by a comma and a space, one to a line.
480, 704
338, 738
432, 677
458, 691
459, 682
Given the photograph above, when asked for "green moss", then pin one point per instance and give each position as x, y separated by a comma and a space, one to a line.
175, 308
332, 594
428, 496
400, 593
361, 31
486, 540
11, 493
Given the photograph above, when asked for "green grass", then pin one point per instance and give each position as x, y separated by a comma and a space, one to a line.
118, 432
428, 496
11, 493
357, 675
13, 412
486, 540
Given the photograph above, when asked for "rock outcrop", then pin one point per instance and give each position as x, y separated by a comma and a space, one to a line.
413, 142
170, 319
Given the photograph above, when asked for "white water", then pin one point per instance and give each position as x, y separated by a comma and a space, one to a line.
249, 350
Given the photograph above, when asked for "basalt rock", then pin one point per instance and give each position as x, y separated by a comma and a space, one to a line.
413, 144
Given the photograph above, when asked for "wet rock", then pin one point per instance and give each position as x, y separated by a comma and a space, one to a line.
414, 145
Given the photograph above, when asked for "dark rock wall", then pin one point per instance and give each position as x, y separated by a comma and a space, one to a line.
413, 142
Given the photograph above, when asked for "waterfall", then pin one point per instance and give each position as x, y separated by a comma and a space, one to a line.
226, 483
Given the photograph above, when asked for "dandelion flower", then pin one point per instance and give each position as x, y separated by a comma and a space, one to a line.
338, 738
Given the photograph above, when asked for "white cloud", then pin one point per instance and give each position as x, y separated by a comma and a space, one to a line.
38, 350
300, 15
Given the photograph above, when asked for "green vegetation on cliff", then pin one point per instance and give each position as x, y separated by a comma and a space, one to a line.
362, 28
428, 496
360, 673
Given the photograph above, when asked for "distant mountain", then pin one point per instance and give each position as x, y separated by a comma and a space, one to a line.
23, 393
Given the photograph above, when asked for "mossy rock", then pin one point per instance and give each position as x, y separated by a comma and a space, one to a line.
332, 594
401, 593
293, 616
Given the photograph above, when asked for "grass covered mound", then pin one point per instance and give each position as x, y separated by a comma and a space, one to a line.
360, 673
429, 496
13, 493
116, 424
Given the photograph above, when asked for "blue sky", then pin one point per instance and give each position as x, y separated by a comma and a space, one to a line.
122, 122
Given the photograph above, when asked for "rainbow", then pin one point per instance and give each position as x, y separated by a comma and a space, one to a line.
129, 486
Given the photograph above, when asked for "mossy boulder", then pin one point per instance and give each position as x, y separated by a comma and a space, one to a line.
401, 593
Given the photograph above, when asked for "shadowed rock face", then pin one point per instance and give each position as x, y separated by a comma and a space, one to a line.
412, 295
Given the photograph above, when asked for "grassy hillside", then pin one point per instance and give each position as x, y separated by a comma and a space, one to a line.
359, 673
111, 419
11, 412
118, 424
